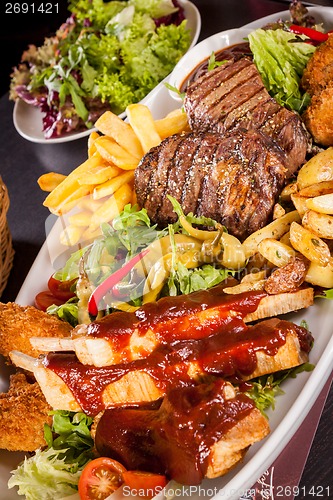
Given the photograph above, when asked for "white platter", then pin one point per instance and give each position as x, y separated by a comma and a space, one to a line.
28, 120
300, 393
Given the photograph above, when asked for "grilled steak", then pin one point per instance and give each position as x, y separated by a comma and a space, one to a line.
233, 96
235, 180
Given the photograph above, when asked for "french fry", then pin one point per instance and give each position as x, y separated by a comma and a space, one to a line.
276, 252
113, 126
91, 143
299, 203
320, 224
80, 219
112, 152
273, 230
318, 169
317, 189
319, 275
48, 182
63, 194
87, 203
112, 207
111, 186
308, 244
71, 235
143, 124
322, 204
90, 235
71, 201
174, 123
99, 175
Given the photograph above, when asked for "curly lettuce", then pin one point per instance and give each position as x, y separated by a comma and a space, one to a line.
281, 57
54, 473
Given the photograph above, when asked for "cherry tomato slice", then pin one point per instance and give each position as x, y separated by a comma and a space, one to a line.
100, 478
45, 299
61, 289
145, 484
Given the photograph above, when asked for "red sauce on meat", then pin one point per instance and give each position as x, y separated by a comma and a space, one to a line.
175, 318
234, 52
230, 353
174, 438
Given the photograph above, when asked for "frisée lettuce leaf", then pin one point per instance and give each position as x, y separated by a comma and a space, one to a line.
281, 57
54, 473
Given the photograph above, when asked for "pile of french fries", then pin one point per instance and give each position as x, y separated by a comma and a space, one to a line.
97, 190
308, 229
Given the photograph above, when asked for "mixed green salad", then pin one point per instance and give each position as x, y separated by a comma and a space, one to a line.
106, 56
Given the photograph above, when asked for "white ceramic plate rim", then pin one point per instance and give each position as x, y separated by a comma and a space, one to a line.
292, 408
28, 119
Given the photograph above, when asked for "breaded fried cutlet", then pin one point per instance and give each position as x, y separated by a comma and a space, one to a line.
19, 323
319, 70
23, 413
318, 117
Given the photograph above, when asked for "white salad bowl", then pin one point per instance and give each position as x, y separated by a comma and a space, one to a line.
28, 119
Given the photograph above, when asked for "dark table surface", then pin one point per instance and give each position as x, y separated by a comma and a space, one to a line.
22, 162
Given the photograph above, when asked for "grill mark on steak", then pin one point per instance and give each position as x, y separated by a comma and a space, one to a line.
159, 178
195, 175
209, 81
235, 180
240, 107
177, 174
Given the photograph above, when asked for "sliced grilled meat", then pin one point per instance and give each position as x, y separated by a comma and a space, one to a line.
233, 96
234, 179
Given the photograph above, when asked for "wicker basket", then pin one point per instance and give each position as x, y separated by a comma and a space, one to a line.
6, 248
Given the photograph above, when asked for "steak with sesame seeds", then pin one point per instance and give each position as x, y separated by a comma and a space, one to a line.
233, 96
235, 180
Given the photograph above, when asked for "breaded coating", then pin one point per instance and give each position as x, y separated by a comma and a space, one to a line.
23, 412
319, 70
318, 117
19, 323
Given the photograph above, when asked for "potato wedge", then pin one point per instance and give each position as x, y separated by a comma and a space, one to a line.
309, 245
318, 169
278, 211
113, 153
276, 252
288, 190
320, 224
113, 126
143, 124
273, 230
299, 203
322, 204
317, 189
319, 275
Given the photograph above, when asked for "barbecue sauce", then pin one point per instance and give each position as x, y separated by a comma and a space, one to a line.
230, 353
175, 318
233, 52
175, 438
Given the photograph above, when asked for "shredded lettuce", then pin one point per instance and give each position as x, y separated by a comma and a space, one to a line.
281, 57
265, 389
54, 473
